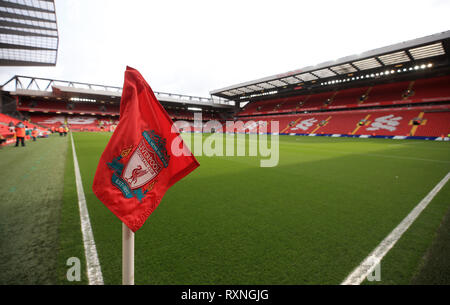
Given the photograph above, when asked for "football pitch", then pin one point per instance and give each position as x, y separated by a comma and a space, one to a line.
310, 220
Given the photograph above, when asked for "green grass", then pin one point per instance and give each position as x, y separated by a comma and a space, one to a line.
70, 237
409, 259
310, 220
435, 267
31, 192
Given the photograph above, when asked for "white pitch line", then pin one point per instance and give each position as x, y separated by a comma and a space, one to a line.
94, 270
370, 262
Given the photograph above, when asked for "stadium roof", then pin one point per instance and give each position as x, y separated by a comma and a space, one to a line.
43, 87
28, 33
406, 57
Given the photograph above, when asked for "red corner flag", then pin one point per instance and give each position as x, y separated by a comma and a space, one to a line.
138, 165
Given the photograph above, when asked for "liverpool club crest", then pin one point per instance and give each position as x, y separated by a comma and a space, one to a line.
137, 168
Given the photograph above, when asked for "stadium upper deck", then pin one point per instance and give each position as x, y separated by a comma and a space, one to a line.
31, 94
410, 60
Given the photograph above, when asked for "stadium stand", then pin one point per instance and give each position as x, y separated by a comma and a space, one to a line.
379, 110
430, 90
434, 121
89, 107
6, 119
399, 90
433, 124
5, 131
421, 90
346, 98
292, 104
387, 123
9, 134
58, 106
387, 94
75, 122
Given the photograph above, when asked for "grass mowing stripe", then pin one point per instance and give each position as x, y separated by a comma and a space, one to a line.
93, 264
406, 258
368, 265
435, 269
106, 226
30, 210
308, 221
70, 236
376, 155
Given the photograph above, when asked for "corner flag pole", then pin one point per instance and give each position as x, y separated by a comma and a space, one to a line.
127, 256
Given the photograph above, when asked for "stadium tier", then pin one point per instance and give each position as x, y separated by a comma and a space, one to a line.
5, 120
419, 108
91, 107
189, 115
57, 106
434, 123
7, 130
75, 122
400, 93
95, 122
95, 109
430, 121
434, 89
425, 120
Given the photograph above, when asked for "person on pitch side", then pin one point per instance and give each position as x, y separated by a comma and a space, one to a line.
34, 134
2, 140
20, 134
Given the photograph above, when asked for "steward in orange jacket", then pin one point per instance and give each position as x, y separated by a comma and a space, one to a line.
34, 134
20, 134
61, 130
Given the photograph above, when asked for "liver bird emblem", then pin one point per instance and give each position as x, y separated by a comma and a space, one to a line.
135, 174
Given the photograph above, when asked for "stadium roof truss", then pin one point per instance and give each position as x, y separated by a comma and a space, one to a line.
85, 92
410, 56
28, 33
